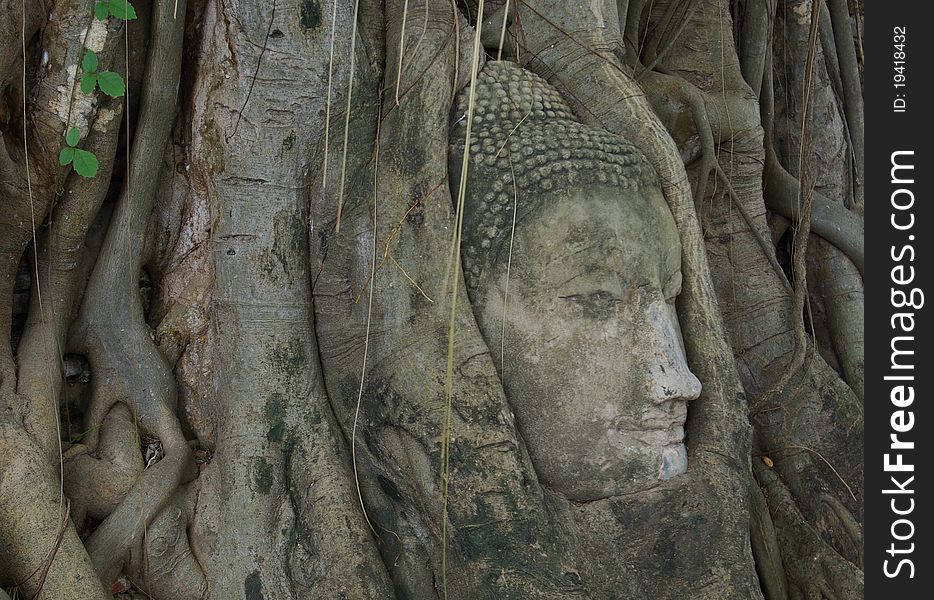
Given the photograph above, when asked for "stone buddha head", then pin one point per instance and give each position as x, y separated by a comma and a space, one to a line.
573, 262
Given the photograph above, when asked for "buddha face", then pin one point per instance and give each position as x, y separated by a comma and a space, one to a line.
594, 364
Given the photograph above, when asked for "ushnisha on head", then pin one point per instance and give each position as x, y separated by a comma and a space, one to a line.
594, 365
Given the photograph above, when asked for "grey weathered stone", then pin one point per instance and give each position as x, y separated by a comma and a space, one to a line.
593, 363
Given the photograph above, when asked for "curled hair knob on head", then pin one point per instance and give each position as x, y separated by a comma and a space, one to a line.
526, 144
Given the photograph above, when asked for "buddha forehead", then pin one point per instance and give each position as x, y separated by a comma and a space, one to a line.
594, 229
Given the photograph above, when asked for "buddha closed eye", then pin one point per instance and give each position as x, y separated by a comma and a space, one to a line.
594, 365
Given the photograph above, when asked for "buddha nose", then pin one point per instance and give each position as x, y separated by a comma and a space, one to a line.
670, 378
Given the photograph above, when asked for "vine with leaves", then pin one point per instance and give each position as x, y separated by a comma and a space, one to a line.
84, 162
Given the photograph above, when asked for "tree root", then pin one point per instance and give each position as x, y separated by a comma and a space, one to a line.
59, 284
795, 416
165, 566
30, 497
30, 192
693, 98
655, 56
765, 548
96, 486
814, 570
830, 220
31, 507
801, 238
838, 281
829, 51
110, 329
852, 90
309, 499
840, 284
758, 23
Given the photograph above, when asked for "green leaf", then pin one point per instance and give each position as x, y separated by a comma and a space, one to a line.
88, 83
122, 9
72, 137
66, 156
85, 163
102, 10
111, 83
89, 63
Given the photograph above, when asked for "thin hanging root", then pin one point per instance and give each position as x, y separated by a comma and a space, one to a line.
32, 205
405, 16
35, 249
327, 105
502, 33
650, 44
369, 315
410, 280
849, 489
387, 248
455, 286
353, 46
259, 63
43, 571
631, 31
512, 235
767, 249
693, 4
455, 15
830, 220
414, 52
